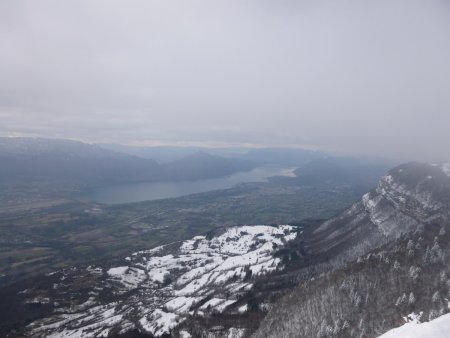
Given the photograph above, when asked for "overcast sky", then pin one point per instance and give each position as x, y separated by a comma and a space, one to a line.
364, 77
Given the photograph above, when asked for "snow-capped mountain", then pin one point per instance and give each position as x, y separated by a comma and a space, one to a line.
406, 199
384, 258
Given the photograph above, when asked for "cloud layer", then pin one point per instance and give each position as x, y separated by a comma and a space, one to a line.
368, 77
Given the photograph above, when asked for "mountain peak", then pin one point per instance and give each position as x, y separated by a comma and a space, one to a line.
409, 196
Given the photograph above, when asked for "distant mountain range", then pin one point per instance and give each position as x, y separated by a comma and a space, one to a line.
358, 172
52, 160
166, 154
45, 160
260, 156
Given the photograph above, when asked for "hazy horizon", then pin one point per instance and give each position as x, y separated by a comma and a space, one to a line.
348, 77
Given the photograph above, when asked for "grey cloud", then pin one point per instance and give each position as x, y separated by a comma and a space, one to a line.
368, 77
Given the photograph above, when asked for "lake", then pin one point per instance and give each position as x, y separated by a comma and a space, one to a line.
148, 191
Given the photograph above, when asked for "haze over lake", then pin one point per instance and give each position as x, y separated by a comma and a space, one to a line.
147, 191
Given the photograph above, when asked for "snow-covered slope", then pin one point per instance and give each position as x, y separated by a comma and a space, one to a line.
405, 200
155, 290
437, 328
384, 257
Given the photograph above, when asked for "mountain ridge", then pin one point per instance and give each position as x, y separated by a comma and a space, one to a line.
400, 231
38, 159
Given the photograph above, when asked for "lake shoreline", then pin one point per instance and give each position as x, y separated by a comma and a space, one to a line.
150, 191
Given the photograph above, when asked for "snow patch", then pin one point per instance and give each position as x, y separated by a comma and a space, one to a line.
185, 334
159, 322
166, 284
242, 309
437, 328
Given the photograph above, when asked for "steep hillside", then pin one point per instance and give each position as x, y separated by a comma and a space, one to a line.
382, 259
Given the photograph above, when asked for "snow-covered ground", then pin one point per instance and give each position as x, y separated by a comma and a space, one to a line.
437, 328
155, 290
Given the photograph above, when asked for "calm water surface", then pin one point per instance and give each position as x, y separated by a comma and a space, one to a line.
136, 192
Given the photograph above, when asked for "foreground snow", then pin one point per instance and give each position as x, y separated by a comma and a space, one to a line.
437, 328
155, 290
